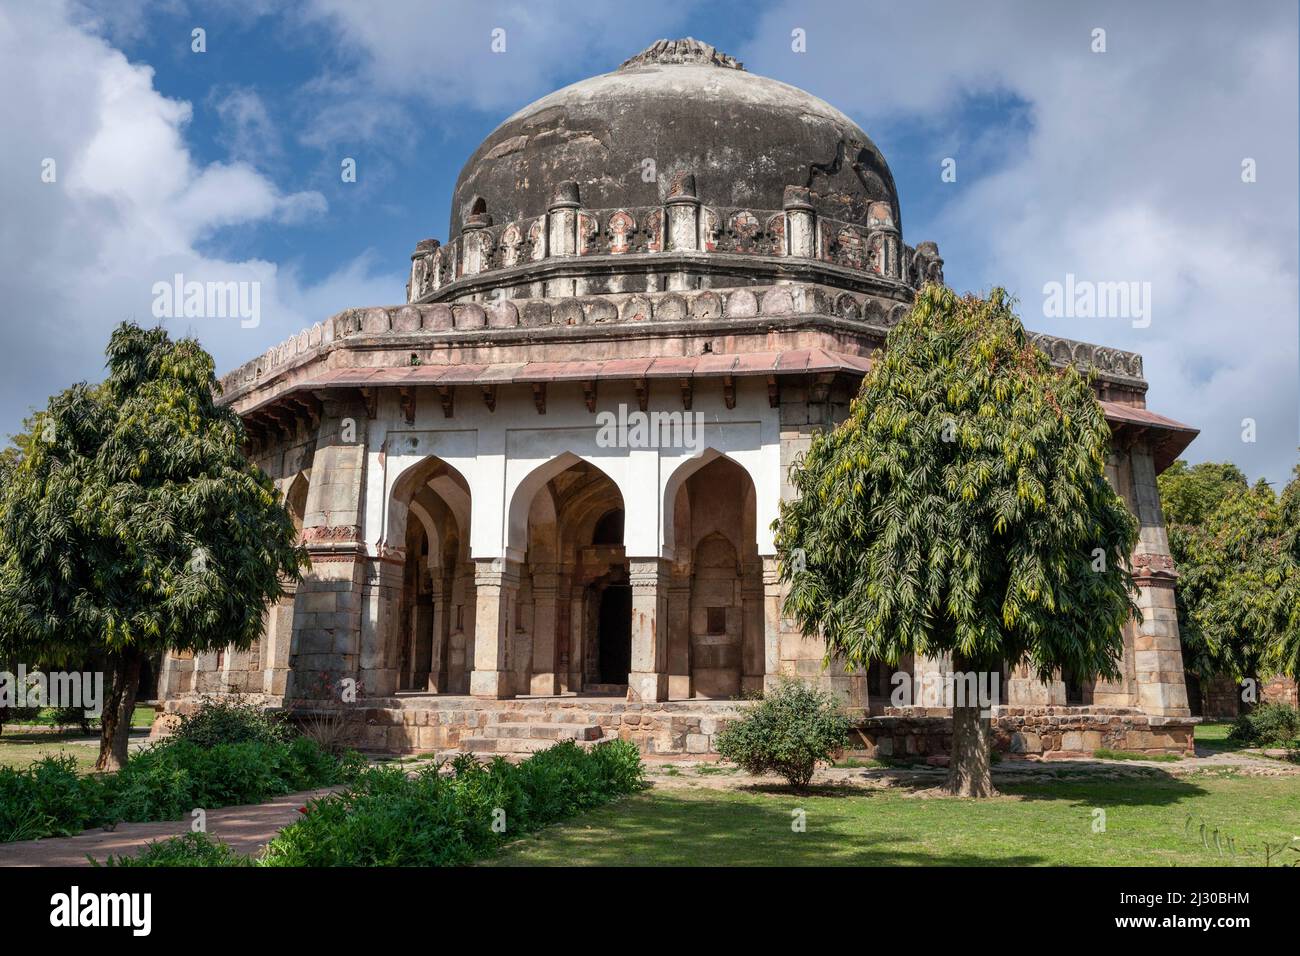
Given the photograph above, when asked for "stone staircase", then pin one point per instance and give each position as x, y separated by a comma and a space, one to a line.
518, 737
524, 725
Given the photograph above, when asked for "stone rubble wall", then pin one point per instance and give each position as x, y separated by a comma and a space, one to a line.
1034, 732
690, 728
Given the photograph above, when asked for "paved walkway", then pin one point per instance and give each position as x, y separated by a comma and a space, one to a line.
247, 830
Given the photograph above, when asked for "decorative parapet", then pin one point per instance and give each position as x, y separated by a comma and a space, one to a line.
746, 302
743, 305
291, 352
681, 224
1108, 362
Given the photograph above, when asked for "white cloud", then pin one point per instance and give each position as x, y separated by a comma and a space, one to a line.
1130, 170
444, 54
130, 207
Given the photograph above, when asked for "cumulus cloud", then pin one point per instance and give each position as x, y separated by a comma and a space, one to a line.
1129, 169
128, 207
486, 56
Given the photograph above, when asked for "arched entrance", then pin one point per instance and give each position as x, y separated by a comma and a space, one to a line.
715, 599
430, 636
574, 621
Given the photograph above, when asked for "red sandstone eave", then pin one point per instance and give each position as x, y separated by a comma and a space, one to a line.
1168, 438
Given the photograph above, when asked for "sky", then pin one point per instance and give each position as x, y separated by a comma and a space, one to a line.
1161, 151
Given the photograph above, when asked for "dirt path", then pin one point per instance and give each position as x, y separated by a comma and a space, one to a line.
247, 829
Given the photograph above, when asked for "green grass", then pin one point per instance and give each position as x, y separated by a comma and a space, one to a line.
1031, 825
1213, 736
21, 750
142, 716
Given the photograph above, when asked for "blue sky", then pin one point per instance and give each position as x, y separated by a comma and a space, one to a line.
1115, 165
403, 190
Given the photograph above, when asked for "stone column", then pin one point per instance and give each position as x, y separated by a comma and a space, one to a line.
682, 225
800, 223
680, 683
773, 598
577, 639
648, 679
381, 625
752, 627
440, 596
545, 678
496, 586
327, 607
276, 640
1158, 654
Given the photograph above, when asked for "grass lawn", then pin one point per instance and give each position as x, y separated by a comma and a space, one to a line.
1213, 736
22, 749
142, 716
1031, 825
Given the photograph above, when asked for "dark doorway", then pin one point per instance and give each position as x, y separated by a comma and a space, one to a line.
614, 634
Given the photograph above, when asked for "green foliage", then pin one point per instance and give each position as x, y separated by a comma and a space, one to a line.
1269, 724
191, 849
1190, 493
232, 721
962, 506
1238, 579
791, 730
164, 782
433, 819
131, 517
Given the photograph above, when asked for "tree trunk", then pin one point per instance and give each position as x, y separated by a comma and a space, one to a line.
970, 765
970, 769
115, 723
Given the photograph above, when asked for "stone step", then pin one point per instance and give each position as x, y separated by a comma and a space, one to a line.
514, 745
543, 715
552, 732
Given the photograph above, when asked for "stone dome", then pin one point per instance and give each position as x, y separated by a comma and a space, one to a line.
679, 108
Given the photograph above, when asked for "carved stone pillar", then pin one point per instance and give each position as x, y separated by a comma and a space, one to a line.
440, 600
773, 597
327, 616
496, 586
648, 679
1158, 655
800, 223
545, 678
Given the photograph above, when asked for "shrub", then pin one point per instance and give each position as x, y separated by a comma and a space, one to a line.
164, 782
332, 730
49, 798
192, 849
1268, 724
232, 721
788, 732
73, 717
432, 818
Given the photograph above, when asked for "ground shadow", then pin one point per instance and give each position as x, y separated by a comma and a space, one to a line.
712, 833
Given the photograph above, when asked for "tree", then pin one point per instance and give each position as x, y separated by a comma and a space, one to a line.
962, 508
1235, 549
131, 523
1284, 653
1189, 494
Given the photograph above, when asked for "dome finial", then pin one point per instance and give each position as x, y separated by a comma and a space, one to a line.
685, 50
